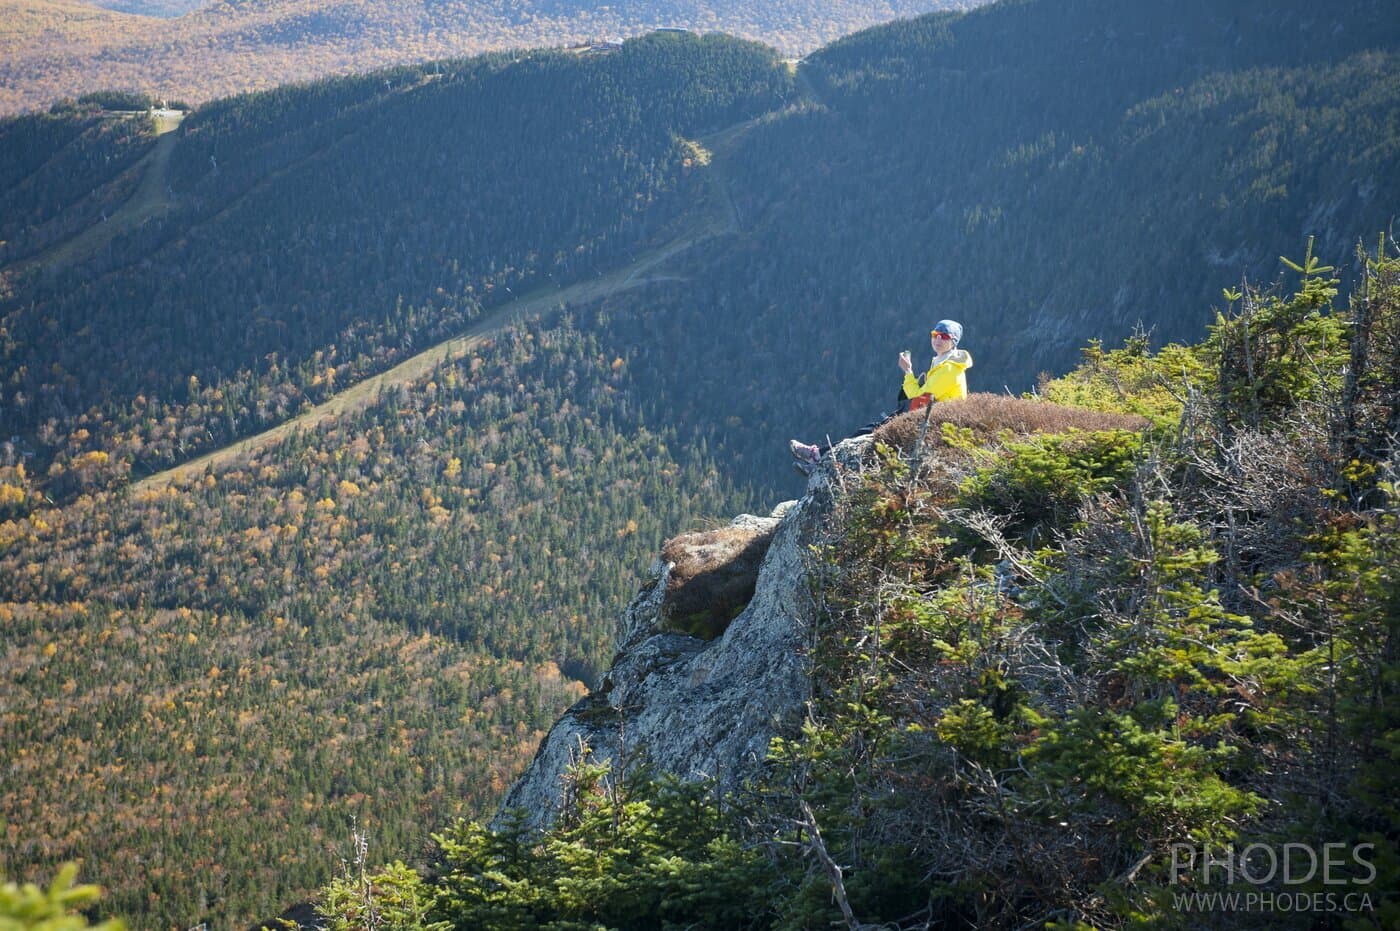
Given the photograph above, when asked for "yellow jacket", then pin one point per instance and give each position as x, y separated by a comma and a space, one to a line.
945, 380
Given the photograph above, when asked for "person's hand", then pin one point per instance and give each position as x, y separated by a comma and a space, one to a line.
905, 365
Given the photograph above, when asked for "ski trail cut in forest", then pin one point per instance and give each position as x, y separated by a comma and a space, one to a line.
718, 217
150, 200
153, 197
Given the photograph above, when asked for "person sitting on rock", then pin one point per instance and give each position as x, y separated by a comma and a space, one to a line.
945, 380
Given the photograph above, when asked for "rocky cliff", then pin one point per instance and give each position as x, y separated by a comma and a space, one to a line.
711, 660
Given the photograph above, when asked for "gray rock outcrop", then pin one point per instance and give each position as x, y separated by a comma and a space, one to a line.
689, 706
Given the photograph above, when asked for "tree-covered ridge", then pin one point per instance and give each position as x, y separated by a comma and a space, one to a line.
61, 166
208, 766
1044, 172
866, 213
527, 446
940, 60
1047, 667
853, 241
55, 49
324, 233
377, 619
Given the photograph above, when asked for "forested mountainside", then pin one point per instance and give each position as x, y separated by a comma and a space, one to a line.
65, 173
195, 51
1063, 674
168, 9
363, 219
320, 234
1044, 173
209, 686
368, 626
812, 221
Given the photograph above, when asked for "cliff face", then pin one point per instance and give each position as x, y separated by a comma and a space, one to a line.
691, 706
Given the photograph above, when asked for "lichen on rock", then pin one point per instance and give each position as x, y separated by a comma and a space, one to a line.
711, 661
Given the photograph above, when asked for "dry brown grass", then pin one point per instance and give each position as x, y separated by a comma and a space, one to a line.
988, 415
713, 576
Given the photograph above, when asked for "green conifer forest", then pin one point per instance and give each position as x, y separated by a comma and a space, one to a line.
1051, 647
1049, 661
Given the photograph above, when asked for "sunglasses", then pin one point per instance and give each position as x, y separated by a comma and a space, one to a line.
937, 334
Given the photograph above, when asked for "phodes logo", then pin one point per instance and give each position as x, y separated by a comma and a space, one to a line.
1342, 868
1272, 902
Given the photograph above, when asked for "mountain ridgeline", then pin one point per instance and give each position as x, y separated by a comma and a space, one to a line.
1047, 172
197, 50
324, 233
367, 625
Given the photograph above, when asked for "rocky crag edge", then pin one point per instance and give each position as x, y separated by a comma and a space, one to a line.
681, 695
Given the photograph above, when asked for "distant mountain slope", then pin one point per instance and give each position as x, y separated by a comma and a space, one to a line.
1046, 172
955, 165
324, 233
25, 19
55, 48
208, 686
166, 9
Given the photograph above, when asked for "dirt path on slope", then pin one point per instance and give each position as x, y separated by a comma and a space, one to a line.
362, 394
150, 199
719, 217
